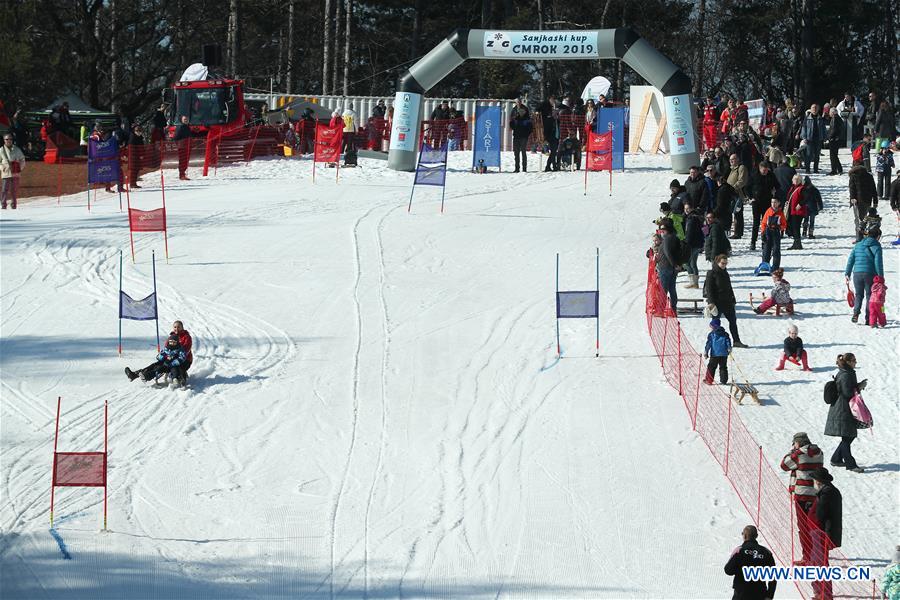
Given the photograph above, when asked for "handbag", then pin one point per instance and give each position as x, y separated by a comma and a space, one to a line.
860, 412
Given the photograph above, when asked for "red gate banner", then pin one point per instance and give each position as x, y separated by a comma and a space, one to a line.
599, 151
328, 143
147, 220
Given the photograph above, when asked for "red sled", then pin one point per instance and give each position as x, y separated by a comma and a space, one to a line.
851, 297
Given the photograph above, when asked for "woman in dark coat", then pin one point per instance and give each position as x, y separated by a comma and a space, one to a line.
840, 422
718, 291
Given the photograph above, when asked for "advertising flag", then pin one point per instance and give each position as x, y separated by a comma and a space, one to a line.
147, 220
599, 151
105, 149
328, 143
103, 171
487, 136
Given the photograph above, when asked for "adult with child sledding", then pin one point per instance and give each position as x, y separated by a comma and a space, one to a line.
173, 360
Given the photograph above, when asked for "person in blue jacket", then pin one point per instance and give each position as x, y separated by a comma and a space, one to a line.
718, 347
864, 263
170, 360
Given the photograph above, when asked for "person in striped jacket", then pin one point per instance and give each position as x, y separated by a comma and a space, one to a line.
804, 458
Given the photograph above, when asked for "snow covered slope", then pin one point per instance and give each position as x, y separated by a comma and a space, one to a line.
376, 407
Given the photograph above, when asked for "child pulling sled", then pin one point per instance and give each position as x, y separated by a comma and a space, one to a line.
793, 350
718, 347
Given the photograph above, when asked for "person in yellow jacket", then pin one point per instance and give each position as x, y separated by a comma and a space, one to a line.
349, 117
12, 161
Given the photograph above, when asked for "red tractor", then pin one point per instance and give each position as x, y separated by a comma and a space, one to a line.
208, 104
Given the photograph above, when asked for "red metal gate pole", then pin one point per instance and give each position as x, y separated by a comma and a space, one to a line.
55, 440
105, 457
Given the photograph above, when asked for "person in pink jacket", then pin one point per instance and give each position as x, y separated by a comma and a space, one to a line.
876, 303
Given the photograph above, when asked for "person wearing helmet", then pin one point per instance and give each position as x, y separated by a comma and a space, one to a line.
171, 360
884, 162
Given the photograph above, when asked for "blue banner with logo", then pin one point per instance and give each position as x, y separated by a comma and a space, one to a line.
486, 137
105, 149
432, 166
103, 171
613, 119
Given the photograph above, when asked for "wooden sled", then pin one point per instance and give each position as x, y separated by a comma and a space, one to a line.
779, 308
697, 309
740, 390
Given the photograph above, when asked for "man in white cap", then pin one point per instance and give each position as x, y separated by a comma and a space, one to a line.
804, 458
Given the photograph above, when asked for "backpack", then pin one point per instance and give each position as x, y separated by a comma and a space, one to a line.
831, 392
858, 153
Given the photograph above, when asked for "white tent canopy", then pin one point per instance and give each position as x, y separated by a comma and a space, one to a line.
76, 104
596, 87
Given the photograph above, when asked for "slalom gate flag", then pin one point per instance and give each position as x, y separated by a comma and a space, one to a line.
147, 220
432, 167
577, 305
105, 149
104, 171
328, 143
599, 151
137, 310
613, 119
487, 136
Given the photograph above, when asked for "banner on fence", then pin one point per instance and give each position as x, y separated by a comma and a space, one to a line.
145, 309
79, 469
486, 149
578, 305
756, 113
431, 170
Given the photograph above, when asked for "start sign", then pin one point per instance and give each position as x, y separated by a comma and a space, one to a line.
540, 44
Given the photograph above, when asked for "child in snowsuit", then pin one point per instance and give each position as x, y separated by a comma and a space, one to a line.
718, 347
781, 294
793, 350
876, 303
170, 360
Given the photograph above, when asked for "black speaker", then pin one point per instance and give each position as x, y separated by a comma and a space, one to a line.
212, 55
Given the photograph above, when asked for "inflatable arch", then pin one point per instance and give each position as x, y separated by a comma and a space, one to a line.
622, 43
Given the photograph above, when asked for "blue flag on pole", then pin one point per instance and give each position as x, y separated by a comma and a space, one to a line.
137, 310
613, 119
103, 171
105, 149
432, 167
486, 136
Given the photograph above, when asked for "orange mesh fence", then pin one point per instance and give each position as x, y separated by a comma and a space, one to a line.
790, 531
454, 132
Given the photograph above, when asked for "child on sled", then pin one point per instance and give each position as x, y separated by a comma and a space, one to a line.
781, 294
793, 350
170, 360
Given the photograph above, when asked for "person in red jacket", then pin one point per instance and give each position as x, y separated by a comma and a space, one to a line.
185, 340
797, 209
804, 458
710, 124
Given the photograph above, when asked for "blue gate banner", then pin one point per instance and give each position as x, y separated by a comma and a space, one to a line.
105, 149
486, 137
138, 310
614, 118
103, 171
577, 305
432, 166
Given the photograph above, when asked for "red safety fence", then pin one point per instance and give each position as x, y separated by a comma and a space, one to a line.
793, 536
59, 147
454, 132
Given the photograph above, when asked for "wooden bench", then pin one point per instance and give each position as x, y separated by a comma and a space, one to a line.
740, 390
697, 309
